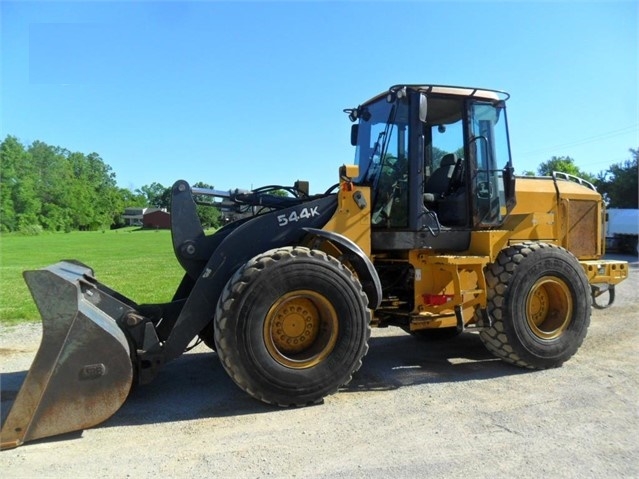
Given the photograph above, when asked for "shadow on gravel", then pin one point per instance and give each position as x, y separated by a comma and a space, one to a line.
9, 385
196, 386
398, 361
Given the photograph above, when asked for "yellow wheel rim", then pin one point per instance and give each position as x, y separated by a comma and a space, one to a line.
549, 308
300, 330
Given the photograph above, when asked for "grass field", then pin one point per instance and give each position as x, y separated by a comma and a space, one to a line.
139, 264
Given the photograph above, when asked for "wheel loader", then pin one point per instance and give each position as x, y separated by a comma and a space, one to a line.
428, 230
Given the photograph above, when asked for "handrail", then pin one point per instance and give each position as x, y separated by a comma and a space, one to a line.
573, 178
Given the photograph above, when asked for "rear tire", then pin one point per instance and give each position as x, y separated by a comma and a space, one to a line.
539, 300
291, 326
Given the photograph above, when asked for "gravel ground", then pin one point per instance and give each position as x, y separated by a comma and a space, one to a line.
415, 409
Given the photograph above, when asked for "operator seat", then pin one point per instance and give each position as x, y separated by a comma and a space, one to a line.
443, 193
440, 181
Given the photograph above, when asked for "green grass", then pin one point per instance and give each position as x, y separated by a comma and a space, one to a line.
139, 264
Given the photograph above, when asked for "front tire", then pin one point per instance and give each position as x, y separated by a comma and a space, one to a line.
539, 300
291, 326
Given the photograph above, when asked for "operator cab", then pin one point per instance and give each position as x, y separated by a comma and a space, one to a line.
437, 160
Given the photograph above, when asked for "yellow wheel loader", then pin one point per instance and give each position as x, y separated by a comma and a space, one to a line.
429, 230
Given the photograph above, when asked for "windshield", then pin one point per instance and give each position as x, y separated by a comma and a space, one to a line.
382, 154
372, 138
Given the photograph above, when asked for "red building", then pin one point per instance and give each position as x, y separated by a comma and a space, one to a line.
157, 220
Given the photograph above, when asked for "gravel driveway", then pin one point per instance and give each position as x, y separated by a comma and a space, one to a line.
415, 409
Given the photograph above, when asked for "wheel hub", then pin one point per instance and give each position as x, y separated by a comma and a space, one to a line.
300, 329
549, 308
296, 326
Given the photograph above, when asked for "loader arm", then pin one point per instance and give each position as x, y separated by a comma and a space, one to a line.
228, 252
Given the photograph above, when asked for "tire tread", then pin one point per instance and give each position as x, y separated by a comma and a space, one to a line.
498, 278
230, 298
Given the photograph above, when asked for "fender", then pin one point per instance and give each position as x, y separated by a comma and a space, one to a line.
363, 266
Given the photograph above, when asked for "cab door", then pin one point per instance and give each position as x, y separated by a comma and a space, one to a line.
492, 179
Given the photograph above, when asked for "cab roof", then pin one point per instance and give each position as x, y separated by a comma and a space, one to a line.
459, 91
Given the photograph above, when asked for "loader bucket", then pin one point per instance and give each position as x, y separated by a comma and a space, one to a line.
82, 372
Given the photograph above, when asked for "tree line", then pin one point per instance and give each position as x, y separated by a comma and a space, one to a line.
44, 187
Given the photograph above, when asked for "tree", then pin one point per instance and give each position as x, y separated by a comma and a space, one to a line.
132, 198
105, 193
210, 216
619, 185
10, 152
564, 164
55, 185
19, 201
50, 187
157, 195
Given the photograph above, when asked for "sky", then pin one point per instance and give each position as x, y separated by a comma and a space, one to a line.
250, 93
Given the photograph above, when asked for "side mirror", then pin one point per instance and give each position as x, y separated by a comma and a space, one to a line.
354, 133
423, 107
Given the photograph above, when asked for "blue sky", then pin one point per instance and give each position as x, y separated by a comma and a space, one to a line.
244, 94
